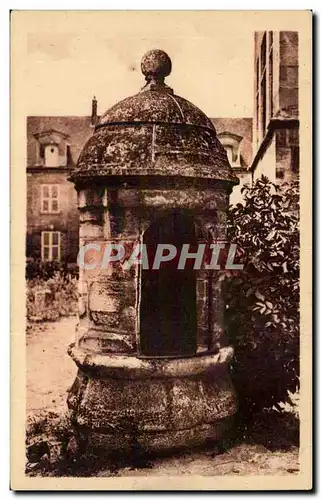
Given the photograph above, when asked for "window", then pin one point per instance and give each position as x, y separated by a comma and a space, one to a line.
50, 245
41, 149
53, 148
229, 151
270, 72
263, 54
49, 198
257, 97
263, 104
257, 72
231, 143
270, 83
51, 155
68, 155
261, 97
280, 174
295, 159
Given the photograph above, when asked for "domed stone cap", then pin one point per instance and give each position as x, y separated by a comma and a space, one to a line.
154, 132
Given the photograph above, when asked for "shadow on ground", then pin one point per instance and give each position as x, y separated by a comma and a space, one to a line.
272, 429
266, 445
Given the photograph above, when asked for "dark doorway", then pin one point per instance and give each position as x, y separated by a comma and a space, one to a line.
168, 295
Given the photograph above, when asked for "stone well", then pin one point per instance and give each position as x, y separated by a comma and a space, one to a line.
153, 362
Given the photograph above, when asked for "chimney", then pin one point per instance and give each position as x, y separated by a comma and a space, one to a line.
94, 111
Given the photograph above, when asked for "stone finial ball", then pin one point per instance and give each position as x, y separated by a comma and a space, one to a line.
156, 64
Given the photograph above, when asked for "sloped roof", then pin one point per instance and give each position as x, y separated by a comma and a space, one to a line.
77, 128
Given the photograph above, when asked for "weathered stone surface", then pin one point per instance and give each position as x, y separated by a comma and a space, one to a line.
108, 300
159, 441
156, 65
133, 367
135, 150
90, 230
202, 306
156, 107
141, 408
108, 342
188, 199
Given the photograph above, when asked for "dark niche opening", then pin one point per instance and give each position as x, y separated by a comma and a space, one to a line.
168, 295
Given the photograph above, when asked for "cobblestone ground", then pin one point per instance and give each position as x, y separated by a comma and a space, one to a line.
50, 372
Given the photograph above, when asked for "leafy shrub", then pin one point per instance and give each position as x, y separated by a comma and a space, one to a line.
49, 437
60, 299
262, 301
36, 268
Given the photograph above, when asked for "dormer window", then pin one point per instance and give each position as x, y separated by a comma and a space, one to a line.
230, 154
231, 143
51, 155
53, 149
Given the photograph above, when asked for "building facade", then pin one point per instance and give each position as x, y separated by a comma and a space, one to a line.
53, 147
276, 106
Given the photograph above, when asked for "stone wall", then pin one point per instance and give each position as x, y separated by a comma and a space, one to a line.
288, 73
276, 151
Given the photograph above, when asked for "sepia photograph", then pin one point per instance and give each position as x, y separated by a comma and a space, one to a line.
161, 189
